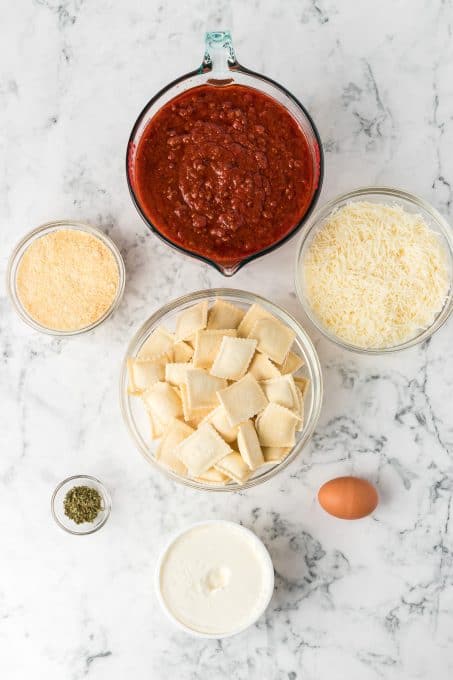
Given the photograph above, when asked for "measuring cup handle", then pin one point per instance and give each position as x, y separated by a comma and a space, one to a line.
219, 56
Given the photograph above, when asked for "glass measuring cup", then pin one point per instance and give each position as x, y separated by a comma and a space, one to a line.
221, 68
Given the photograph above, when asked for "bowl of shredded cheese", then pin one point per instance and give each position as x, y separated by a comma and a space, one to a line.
65, 277
374, 270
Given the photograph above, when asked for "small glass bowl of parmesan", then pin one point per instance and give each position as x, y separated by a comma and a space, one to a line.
65, 278
374, 270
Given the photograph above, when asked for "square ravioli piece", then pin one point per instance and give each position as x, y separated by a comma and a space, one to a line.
274, 338
262, 368
275, 454
202, 450
175, 432
192, 416
163, 401
233, 466
207, 345
276, 426
158, 344
224, 315
213, 476
218, 419
300, 410
186, 411
175, 374
303, 384
192, 320
182, 352
142, 374
282, 391
242, 400
291, 364
254, 313
195, 415
202, 388
249, 446
156, 429
233, 358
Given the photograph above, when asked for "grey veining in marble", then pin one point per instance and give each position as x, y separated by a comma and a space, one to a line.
353, 601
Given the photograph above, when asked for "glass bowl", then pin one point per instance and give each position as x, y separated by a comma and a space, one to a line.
134, 413
221, 68
378, 195
21, 247
57, 505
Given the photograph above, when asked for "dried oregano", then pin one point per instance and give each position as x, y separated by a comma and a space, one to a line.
82, 504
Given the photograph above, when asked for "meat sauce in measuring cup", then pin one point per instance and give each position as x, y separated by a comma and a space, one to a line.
224, 172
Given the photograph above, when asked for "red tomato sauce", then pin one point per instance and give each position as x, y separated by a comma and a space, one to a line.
224, 171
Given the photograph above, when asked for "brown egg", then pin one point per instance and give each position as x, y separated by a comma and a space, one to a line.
348, 497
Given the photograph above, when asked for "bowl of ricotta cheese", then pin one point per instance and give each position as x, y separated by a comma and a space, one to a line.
214, 579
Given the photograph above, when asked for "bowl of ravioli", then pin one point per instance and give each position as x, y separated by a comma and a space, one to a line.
221, 389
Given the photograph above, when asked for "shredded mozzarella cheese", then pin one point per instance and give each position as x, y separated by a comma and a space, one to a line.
376, 275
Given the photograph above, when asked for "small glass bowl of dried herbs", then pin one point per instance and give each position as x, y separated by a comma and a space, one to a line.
81, 504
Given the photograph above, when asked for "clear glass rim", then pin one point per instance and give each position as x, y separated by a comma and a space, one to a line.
218, 266
315, 221
312, 360
269, 567
48, 227
105, 495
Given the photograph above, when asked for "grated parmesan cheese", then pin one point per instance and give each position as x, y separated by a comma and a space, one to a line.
67, 280
376, 275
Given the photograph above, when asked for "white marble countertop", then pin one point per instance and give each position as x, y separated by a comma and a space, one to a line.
353, 601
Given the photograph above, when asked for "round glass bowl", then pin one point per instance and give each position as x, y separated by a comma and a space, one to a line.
384, 196
49, 227
57, 505
220, 68
134, 413
268, 575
